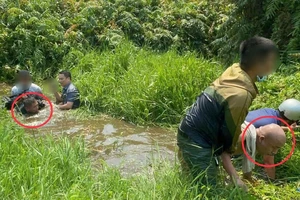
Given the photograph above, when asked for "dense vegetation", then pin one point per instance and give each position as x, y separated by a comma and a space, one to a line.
140, 85
274, 19
40, 35
146, 61
47, 168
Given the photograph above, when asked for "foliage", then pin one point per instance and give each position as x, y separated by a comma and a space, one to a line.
38, 34
274, 19
142, 86
59, 168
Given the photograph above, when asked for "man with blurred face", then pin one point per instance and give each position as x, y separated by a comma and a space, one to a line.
70, 97
265, 141
211, 127
24, 84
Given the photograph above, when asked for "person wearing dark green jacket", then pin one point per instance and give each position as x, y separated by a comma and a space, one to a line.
212, 125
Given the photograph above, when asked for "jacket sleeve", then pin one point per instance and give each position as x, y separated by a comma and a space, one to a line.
236, 109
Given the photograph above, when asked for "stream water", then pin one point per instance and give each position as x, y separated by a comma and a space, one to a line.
120, 144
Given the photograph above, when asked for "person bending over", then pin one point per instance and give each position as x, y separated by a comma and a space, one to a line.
289, 110
265, 140
70, 97
212, 125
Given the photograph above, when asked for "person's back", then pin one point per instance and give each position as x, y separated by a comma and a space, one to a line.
253, 115
233, 89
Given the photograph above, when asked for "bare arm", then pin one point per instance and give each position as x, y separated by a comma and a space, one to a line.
58, 97
269, 160
66, 106
293, 126
228, 166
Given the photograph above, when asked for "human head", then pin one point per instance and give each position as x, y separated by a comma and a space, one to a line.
24, 79
270, 139
290, 110
258, 55
31, 105
64, 78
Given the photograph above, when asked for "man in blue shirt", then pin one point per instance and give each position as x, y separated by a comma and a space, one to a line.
289, 111
70, 97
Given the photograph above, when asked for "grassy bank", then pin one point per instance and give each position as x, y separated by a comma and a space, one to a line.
143, 86
60, 168
140, 85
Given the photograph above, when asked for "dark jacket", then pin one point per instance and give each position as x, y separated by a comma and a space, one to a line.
214, 120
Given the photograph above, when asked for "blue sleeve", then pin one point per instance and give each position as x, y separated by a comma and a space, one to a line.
264, 122
72, 96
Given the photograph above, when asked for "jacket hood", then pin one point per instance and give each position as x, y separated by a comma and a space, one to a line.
234, 76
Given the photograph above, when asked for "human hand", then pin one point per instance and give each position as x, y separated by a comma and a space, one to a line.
294, 125
241, 184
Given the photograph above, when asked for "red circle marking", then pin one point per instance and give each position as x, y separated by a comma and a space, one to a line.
25, 94
273, 165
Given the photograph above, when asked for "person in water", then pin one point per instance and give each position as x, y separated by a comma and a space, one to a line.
289, 111
30, 106
70, 97
265, 140
24, 84
212, 125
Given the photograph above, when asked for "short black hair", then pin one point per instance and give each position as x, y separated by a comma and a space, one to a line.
29, 101
66, 73
255, 50
23, 74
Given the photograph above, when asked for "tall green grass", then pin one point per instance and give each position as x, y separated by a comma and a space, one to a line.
144, 86
60, 168
140, 85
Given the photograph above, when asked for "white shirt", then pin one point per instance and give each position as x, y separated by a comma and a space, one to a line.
17, 89
250, 146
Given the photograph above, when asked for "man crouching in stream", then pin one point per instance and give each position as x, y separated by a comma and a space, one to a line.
265, 140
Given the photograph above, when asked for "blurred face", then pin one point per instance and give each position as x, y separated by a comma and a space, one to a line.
268, 146
24, 82
267, 66
64, 81
33, 108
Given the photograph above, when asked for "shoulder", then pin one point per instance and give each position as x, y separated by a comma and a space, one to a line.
35, 87
14, 90
238, 95
72, 88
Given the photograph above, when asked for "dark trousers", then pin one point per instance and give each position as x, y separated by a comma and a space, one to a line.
199, 162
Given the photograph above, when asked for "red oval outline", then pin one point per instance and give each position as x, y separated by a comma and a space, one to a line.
273, 165
31, 127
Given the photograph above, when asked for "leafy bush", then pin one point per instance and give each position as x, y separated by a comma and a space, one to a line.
38, 34
274, 19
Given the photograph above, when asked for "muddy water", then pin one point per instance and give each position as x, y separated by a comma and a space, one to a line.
120, 144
